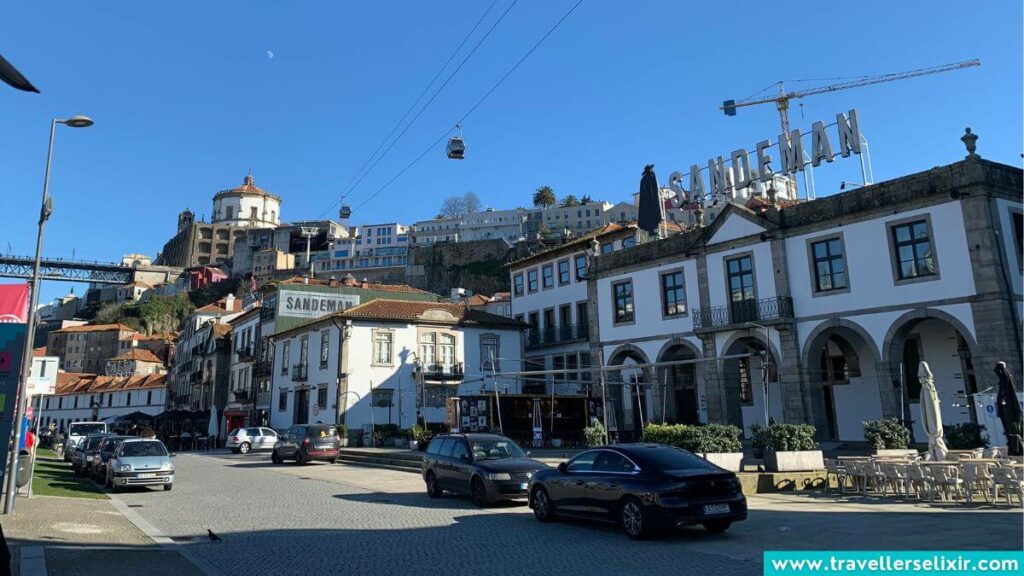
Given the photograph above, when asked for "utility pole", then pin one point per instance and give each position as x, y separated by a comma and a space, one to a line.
309, 232
497, 398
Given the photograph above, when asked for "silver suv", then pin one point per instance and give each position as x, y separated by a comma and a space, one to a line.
242, 440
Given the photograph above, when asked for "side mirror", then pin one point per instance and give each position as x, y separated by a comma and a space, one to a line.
563, 468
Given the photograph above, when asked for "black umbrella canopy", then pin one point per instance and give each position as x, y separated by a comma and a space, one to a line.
1008, 409
132, 418
649, 212
10, 75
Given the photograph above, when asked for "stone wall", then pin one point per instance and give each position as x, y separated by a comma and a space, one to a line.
477, 266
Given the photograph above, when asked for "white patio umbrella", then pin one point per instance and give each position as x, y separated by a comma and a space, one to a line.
931, 415
212, 429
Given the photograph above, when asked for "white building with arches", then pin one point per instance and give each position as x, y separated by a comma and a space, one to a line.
834, 302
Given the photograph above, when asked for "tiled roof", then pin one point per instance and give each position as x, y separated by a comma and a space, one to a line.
39, 352
79, 383
476, 300
138, 354
248, 188
95, 328
413, 311
221, 307
221, 330
295, 280
579, 243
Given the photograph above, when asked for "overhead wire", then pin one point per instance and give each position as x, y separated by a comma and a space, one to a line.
474, 107
348, 186
433, 96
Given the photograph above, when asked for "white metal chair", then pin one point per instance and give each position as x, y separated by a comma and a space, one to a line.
947, 481
999, 452
895, 475
838, 469
919, 481
855, 471
977, 477
1009, 480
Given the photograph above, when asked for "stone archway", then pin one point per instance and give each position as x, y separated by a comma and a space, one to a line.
842, 364
630, 392
681, 384
743, 380
949, 348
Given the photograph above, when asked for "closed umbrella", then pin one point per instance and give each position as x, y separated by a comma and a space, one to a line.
931, 415
649, 213
212, 429
1008, 408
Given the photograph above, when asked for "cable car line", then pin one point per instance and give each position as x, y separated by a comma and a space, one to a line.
473, 109
432, 97
348, 186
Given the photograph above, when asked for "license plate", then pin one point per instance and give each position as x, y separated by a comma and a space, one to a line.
716, 509
147, 475
88, 458
522, 485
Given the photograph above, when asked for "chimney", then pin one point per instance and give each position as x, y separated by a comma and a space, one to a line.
364, 283
229, 302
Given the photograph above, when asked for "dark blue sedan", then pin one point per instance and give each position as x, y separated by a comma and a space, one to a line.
642, 487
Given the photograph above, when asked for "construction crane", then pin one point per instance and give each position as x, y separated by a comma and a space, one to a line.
782, 99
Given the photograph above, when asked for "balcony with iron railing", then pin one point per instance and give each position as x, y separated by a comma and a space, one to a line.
246, 354
564, 334
263, 399
241, 395
299, 373
442, 372
262, 368
768, 310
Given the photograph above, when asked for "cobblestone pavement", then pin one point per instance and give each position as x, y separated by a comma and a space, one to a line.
323, 519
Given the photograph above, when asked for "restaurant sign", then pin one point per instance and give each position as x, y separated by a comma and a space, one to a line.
301, 304
735, 173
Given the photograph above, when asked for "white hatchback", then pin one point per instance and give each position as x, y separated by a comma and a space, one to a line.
243, 440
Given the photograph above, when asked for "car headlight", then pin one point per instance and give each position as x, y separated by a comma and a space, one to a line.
124, 468
499, 476
167, 468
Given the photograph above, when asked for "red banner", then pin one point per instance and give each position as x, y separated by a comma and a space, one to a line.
14, 303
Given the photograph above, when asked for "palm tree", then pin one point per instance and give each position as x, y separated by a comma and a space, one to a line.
586, 199
570, 200
544, 197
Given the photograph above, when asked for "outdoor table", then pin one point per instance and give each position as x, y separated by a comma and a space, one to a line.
940, 463
854, 457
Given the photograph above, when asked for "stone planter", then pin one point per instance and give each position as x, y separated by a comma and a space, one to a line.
796, 461
895, 452
731, 461
343, 441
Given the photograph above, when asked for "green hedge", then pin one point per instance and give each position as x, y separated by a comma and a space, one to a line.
783, 438
887, 433
698, 439
594, 434
966, 436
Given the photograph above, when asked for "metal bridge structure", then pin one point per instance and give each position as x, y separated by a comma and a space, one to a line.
66, 270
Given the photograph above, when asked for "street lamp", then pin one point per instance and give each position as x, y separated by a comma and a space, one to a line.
26, 366
766, 357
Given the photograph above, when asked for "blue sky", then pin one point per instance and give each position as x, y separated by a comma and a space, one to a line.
186, 101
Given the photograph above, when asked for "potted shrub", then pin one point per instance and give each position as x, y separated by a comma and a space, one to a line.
419, 437
966, 436
594, 434
888, 436
788, 447
342, 435
716, 443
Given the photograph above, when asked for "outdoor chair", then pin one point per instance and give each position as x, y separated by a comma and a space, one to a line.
977, 477
855, 471
947, 481
1008, 479
919, 481
895, 478
876, 477
838, 469
998, 452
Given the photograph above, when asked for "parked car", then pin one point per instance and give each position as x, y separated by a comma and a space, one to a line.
79, 466
106, 448
77, 431
242, 440
140, 462
90, 451
306, 443
488, 467
642, 487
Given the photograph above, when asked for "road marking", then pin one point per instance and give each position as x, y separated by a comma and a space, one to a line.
160, 538
33, 561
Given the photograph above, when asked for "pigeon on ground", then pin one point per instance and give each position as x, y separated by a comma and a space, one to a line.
213, 537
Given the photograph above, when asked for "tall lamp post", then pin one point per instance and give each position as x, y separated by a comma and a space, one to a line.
30, 329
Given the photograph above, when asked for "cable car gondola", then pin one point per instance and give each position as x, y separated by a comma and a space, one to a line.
456, 146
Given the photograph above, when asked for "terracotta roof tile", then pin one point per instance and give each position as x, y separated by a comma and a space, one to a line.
95, 328
39, 352
80, 383
413, 311
138, 354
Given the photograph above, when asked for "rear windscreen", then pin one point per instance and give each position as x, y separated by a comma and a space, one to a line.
86, 429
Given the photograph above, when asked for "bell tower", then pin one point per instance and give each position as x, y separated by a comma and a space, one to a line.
185, 219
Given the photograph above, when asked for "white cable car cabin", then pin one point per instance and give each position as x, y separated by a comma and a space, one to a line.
456, 148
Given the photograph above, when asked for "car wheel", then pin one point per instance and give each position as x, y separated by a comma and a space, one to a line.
275, 458
168, 487
633, 519
433, 490
244, 448
479, 492
543, 510
717, 526
334, 460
